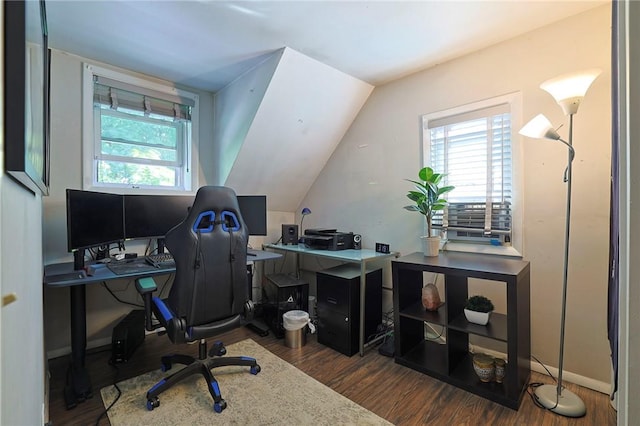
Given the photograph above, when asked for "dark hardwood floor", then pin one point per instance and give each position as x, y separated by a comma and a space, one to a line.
396, 393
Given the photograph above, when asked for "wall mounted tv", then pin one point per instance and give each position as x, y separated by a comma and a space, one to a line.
93, 219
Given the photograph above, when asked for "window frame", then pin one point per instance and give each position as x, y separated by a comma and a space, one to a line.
91, 134
514, 100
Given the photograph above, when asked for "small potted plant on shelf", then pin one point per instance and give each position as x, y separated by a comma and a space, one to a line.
478, 309
427, 199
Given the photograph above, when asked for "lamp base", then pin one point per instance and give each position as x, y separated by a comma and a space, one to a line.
567, 404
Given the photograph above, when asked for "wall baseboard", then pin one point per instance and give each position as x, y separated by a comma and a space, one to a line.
56, 353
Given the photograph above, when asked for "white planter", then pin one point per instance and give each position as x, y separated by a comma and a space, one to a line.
431, 246
481, 318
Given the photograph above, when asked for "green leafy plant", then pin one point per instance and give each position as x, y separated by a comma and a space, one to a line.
479, 304
427, 197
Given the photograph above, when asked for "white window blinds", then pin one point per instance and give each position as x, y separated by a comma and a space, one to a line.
474, 150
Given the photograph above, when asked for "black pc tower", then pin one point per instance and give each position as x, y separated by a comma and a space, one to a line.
282, 293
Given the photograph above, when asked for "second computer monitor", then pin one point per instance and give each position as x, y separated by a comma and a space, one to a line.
254, 213
151, 216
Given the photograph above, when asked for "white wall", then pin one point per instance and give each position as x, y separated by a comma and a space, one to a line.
362, 187
22, 371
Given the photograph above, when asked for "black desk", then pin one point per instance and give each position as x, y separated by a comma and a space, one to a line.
78, 386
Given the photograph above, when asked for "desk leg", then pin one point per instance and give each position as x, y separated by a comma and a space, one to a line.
363, 291
78, 385
255, 324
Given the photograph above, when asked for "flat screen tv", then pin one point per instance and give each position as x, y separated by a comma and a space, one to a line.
151, 216
94, 219
253, 209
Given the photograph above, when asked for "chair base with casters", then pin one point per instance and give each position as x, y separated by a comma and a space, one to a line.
203, 365
205, 361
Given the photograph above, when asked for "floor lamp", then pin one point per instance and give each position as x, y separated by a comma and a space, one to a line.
568, 90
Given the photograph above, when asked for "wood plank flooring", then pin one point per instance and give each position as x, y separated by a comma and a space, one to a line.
396, 393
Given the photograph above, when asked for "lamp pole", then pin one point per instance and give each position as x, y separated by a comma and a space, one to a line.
565, 403
570, 154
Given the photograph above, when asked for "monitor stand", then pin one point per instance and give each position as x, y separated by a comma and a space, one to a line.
78, 260
160, 245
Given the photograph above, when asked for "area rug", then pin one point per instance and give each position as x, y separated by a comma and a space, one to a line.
279, 395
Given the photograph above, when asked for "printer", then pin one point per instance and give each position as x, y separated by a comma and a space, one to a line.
328, 239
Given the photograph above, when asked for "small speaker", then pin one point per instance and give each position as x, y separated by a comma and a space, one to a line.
289, 234
357, 241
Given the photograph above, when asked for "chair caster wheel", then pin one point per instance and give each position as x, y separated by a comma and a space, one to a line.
218, 349
153, 403
255, 369
219, 406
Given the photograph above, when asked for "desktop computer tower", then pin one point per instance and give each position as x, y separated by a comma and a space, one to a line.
338, 307
282, 293
127, 335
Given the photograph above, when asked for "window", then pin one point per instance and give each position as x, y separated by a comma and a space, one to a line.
137, 134
473, 147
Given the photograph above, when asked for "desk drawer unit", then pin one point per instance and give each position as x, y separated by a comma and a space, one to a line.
338, 309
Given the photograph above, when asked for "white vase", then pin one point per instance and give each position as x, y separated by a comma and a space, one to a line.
431, 246
481, 318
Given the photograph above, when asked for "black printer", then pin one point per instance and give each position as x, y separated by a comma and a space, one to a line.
328, 239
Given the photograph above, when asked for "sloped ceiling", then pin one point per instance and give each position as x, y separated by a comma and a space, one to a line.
306, 110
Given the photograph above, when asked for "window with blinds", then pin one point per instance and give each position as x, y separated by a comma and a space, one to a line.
142, 137
473, 149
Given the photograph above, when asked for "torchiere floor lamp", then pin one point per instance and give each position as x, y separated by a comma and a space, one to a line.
568, 90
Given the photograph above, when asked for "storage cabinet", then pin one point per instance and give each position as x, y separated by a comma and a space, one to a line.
451, 362
338, 306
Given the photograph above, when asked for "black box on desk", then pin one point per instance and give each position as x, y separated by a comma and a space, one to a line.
127, 335
338, 307
282, 293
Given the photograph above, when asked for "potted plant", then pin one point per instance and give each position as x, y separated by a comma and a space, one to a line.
427, 199
477, 309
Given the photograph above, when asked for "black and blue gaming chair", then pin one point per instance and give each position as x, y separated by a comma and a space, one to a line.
210, 292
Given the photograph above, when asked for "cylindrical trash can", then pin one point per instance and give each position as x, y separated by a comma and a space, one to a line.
295, 328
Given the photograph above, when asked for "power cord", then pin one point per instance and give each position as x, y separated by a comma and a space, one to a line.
104, 284
532, 387
115, 385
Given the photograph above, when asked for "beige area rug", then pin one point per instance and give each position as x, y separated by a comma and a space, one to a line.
279, 395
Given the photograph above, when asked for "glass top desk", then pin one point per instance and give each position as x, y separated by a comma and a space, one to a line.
361, 257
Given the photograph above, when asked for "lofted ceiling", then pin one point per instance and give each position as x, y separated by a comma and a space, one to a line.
207, 44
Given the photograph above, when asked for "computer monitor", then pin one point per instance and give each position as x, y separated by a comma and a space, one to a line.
253, 209
93, 219
151, 216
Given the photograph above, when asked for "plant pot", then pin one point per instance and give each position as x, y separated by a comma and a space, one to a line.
431, 246
481, 318
484, 367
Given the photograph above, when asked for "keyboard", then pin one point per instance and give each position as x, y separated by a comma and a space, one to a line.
160, 260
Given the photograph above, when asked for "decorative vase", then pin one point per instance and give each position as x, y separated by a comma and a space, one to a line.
431, 246
484, 367
501, 366
431, 298
481, 318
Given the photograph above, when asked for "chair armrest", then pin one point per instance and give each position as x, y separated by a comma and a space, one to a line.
146, 286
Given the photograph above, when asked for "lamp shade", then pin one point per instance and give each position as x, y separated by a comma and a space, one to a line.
569, 89
539, 127
305, 211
